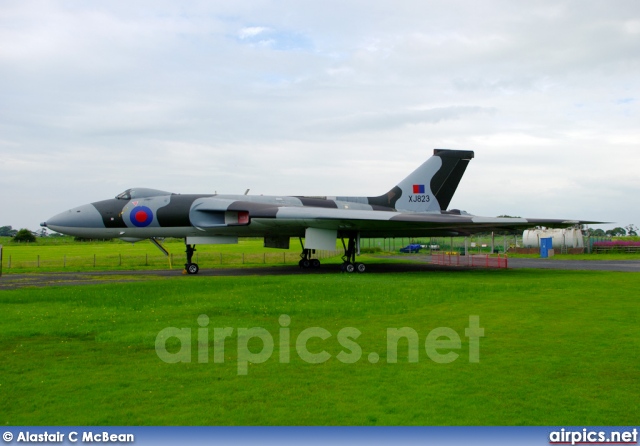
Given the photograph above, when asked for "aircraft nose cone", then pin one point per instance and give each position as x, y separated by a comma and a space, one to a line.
86, 216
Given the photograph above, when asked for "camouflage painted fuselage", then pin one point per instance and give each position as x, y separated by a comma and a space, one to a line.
415, 207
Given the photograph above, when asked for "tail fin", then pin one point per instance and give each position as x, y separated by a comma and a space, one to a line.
431, 186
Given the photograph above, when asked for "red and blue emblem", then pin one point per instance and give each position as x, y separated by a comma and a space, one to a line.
141, 216
418, 188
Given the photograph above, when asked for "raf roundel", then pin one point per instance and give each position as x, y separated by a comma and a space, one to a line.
141, 216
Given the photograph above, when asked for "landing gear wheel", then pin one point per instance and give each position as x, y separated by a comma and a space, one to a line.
351, 248
190, 267
304, 263
315, 263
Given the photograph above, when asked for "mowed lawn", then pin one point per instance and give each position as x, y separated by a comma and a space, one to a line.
560, 348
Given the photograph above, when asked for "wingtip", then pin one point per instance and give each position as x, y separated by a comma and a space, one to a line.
595, 222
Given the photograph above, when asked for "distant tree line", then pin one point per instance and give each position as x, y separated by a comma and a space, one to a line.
25, 235
22, 235
7, 231
631, 230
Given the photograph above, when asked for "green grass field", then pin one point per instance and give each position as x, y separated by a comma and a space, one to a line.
62, 255
560, 348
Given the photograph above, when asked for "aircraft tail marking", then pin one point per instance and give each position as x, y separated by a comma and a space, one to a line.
431, 186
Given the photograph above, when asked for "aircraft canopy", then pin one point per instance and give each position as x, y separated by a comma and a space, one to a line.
141, 192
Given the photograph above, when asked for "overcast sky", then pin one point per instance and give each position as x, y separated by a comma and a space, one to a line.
321, 98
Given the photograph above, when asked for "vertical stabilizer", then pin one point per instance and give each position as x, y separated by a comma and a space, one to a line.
431, 186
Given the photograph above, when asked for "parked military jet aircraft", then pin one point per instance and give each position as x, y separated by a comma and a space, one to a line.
416, 207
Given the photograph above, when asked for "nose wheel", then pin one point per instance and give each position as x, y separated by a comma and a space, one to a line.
190, 267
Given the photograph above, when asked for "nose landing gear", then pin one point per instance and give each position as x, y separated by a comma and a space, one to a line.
190, 267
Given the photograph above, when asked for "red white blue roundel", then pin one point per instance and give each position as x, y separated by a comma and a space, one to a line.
141, 216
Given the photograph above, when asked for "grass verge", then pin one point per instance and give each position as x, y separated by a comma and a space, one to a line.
560, 348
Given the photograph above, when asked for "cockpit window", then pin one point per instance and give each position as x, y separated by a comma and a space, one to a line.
126, 195
141, 192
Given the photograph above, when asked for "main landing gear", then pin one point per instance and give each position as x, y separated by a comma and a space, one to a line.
305, 258
349, 264
190, 267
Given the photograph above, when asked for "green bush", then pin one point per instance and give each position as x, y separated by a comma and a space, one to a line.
24, 235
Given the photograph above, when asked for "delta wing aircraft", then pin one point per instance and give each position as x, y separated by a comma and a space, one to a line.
416, 207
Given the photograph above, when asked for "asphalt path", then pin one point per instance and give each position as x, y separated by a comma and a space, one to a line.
420, 264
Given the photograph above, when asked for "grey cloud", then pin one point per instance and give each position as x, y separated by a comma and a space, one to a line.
99, 96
